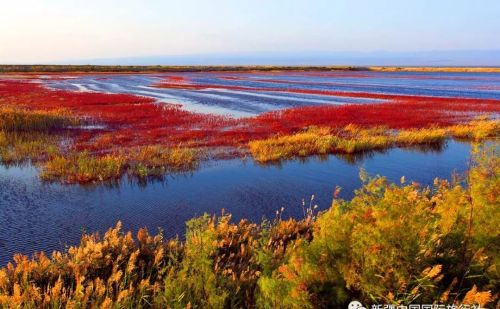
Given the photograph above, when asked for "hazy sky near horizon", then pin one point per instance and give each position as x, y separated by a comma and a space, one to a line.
36, 31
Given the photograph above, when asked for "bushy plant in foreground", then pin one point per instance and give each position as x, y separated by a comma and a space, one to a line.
392, 243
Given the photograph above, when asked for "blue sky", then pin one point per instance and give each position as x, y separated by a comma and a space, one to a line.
34, 31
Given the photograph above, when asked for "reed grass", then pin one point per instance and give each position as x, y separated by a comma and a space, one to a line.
421, 136
478, 129
354, 139
141, 162
391, 243
25, 135
17, 119
83, 167
157, 160
19, 147
3, 139
312, 141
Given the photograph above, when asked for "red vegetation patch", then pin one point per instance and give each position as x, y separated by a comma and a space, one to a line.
176, 79
131, 120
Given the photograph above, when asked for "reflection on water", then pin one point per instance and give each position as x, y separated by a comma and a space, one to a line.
359, 157
47, 216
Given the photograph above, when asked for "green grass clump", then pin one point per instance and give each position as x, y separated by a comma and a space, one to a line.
15, 120
156, 160
391, 243
26, 135
19, 147
83, 167
141, 162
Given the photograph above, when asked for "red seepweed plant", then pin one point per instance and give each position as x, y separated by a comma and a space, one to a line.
114, 122
135, 120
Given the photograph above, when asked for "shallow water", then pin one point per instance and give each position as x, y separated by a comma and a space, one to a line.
240, 103
39, 216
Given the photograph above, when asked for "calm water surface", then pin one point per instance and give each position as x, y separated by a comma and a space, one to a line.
39, 216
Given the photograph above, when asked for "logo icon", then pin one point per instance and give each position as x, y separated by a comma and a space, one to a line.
356, 305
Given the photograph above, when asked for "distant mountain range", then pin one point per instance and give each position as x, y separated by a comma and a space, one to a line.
377, 58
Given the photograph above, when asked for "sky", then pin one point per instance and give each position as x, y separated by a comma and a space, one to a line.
70, 31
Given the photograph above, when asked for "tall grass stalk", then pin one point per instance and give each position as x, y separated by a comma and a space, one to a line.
353, 139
